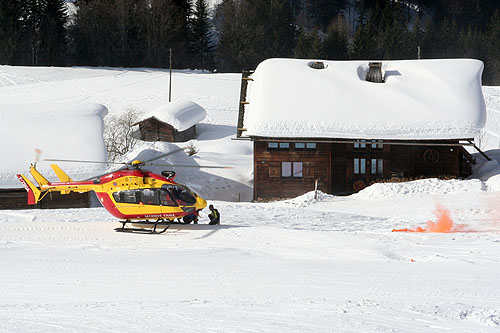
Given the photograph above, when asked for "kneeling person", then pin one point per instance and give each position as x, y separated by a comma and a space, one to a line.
214, 215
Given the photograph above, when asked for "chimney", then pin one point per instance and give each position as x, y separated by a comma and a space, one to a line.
375, 72
317, 65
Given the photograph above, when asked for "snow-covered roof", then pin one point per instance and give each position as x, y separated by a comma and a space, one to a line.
61, 131
180, 114
420, 99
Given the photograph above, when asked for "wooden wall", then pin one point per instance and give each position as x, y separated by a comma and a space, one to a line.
333, 165
18, 199
186, 135
153, 130
268, 182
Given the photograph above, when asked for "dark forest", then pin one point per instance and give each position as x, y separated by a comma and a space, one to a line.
238, 34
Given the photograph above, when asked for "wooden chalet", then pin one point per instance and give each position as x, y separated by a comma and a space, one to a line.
294, 153
175, 122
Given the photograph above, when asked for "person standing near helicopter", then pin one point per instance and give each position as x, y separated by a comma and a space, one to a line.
214, 215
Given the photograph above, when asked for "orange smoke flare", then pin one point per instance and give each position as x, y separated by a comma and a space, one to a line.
443, 224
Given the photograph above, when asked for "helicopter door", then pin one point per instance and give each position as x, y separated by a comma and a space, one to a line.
168, 203
181, 195
166, 199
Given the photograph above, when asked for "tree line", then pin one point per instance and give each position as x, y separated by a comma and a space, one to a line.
238, 34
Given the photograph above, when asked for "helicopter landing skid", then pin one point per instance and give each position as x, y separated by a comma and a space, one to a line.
158, 222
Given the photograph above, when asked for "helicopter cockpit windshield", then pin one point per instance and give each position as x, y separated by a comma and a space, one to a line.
182, 195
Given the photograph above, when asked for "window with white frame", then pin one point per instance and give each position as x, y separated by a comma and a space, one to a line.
377, 144
297, 169
360, 144
278, 145
284, 145
272, 145
377, 166
305, 145
292, 169
359, 166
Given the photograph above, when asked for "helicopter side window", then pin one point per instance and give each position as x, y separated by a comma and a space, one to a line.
126, 197
149, 196
182, 195
129, 197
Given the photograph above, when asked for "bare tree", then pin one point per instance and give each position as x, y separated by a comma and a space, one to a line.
481, 139
118, 132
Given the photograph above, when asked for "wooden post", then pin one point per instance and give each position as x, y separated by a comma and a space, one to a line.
316, 189
170, 80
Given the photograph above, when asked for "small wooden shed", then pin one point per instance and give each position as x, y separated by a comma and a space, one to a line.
174, 122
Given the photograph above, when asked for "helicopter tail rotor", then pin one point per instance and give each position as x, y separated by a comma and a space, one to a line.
38, 153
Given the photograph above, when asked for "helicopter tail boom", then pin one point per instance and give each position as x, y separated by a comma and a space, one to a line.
33, 192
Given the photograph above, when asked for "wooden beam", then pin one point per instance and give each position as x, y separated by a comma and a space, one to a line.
479, 150
368, 141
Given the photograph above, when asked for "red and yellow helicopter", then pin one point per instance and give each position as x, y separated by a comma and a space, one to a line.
131, 194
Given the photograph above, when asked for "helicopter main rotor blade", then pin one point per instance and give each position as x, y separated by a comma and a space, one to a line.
164, 155
81, 161
193, 166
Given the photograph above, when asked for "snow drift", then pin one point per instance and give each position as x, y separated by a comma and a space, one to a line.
62, 131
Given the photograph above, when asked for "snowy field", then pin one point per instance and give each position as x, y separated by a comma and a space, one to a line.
327, 264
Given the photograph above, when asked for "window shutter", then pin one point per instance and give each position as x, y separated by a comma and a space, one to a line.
274, 169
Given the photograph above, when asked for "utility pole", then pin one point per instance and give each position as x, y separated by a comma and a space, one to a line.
418, 52
170, 80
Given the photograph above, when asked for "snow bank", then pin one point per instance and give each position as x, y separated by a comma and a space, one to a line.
309, 198
424, 99
60, 131
428, 186
491, 139
180, 114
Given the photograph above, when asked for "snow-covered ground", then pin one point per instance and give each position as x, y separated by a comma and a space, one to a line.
305, 264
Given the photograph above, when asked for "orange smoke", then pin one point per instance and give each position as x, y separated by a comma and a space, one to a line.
444, 223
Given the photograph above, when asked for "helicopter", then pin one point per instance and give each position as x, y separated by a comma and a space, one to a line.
131, 194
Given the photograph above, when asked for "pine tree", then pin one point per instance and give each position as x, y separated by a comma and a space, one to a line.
336, 43
33, 14
181, 37
323, 12
162, 28
309, 46
302, 46
10, 31
492, 42
53, 33
253, 31
202, 36
366, 42
317, 50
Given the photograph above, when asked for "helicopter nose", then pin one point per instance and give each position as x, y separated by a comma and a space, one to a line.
200, 203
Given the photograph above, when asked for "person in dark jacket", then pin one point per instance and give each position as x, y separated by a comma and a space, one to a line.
214, 215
